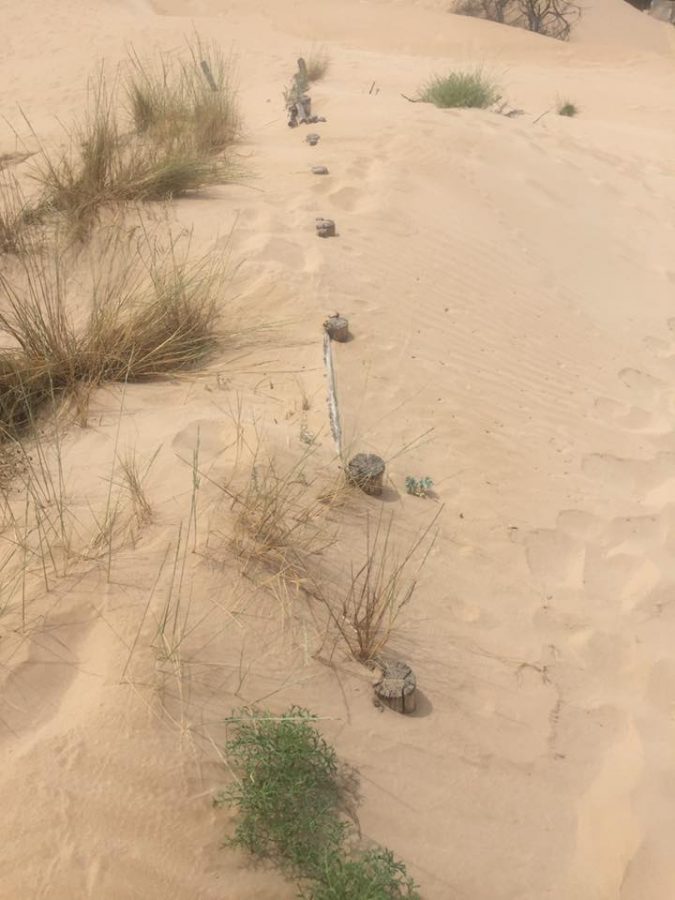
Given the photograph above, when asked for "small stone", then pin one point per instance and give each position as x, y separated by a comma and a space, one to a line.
312, 139
325, 228
319, 170
337, 328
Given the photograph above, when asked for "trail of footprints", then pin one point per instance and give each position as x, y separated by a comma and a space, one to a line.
609, 600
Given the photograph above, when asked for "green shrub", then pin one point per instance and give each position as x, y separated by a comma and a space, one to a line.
374, 875
288, 793
461, 90
566, 108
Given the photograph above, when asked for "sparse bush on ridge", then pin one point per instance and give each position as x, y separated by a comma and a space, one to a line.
461, 90
552, 18
289, 795
566, 108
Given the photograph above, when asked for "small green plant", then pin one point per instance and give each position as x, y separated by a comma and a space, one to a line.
373, 875
565, 108
420, 487
461, 90
289, 795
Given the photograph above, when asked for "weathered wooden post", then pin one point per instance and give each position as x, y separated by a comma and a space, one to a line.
325, 228
337, 328
366, 470
207, 74
397, 686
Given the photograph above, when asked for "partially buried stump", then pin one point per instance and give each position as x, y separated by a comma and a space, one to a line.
337, 328
325, 228
366, 470
397, 686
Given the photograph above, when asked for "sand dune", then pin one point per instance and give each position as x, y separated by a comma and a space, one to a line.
509, 283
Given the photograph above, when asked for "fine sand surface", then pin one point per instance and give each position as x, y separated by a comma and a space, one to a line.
510, 286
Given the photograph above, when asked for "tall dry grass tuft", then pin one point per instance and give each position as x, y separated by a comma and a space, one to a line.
15, 217
280, 522
318, 64
378, 589
26, 388
151, 313
285, 523
104, 166
168, 325
189, 99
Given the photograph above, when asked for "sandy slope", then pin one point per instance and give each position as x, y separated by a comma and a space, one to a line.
509, 284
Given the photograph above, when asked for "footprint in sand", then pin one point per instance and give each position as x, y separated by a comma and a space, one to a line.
641, 382
34, 689
555, 557
347, 199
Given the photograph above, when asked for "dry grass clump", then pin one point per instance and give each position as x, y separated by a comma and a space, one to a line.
147, 331
285, 525
280, 522
189, 99
103, 167
15, 217
318, 64
26, 387
379, 588
145, 320
463, 90
183, 122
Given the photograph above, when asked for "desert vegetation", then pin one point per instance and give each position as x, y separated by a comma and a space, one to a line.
121, 306
184, 119
552, 18
567, 108
318, 64
290, 796
150, 314
287, 523
461, 89
187, 99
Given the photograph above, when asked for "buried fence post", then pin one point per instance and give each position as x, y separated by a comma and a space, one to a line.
325, 228
207, 74
337, 328
397, 686
366, 471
